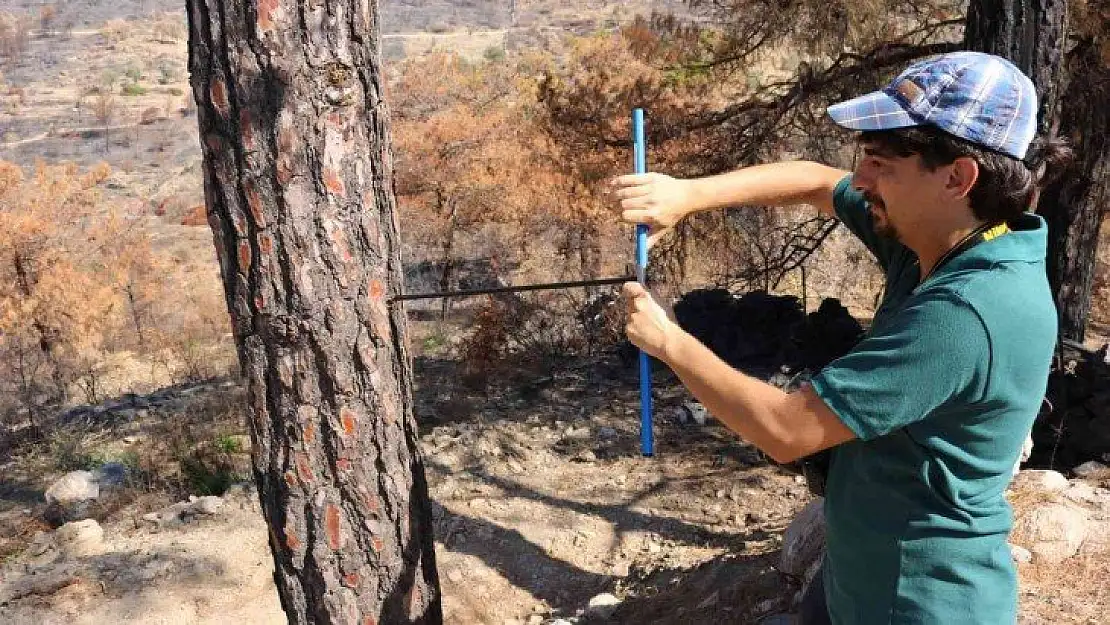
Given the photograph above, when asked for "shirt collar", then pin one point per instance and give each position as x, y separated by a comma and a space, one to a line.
1027, 241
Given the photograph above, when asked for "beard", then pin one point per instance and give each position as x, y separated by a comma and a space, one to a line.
880, 220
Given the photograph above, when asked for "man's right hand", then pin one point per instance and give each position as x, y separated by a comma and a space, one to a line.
656, 200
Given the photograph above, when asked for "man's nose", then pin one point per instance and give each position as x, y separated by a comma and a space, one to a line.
862, 178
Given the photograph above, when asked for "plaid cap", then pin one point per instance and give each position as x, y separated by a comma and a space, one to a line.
975, 96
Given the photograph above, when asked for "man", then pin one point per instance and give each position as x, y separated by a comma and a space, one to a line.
927, 415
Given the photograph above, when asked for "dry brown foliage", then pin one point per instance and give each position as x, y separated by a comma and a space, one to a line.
116, 30
14, 36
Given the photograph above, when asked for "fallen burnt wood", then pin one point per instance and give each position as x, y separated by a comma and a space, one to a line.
765, 334
1074, 425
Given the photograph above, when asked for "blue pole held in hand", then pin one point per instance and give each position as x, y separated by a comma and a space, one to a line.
647, 440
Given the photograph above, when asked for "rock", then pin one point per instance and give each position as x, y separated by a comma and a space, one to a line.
80, 539
39, 544
1082, 492
43, 585
535, 619
72, 487
170, 515
1039, 480
603, 605
1090, 469
607, 433
185, 510
207, 505
1020, 554
1053, 532
692, 411
585, 456
804, 540
780, 619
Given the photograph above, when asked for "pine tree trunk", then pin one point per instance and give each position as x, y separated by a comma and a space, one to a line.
1033, 33
299, 187
1075, 205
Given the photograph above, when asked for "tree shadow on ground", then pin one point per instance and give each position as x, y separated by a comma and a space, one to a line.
623, 518
732, 589
730, 585
16, 492
524, 564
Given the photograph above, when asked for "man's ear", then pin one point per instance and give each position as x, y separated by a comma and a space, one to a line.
962, 176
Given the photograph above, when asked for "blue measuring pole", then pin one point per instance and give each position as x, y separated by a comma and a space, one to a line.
647, 438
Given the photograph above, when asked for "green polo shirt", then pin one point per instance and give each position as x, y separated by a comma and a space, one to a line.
941, 394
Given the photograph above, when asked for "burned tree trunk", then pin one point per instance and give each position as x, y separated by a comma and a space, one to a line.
1074, 205
1033, 34
299, 186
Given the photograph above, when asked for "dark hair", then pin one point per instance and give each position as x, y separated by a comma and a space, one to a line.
1007, 186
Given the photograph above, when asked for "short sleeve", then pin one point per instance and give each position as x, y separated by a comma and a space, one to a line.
923, 357
852, 210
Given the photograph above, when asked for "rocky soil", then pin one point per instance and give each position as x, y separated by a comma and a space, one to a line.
544, 510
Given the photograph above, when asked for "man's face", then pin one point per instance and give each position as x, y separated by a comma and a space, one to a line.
897, 188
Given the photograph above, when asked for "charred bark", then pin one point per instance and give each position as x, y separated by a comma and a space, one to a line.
1075, 205
1072, 86
298, 177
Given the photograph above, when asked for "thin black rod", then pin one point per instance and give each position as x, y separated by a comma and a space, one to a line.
514, 289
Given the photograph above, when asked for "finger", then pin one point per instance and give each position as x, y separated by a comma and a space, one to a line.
628, 193
638, 216
629, 180
638, 203
632, 290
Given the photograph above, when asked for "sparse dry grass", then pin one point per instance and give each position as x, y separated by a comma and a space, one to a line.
1075, 591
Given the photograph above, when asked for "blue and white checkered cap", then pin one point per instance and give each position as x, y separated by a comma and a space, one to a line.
978, 97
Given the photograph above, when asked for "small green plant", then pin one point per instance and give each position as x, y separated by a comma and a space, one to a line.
133, 89
434, 342
228, 444
494, 54
203, 479
131, 460
68, 453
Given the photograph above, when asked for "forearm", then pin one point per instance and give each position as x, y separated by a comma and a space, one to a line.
774, 184
747, 406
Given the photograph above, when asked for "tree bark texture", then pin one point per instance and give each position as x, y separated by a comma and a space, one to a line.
1072, 87
1031, 34
1075, 205
298, 179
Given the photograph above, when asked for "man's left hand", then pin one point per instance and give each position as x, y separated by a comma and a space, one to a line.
649, 327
